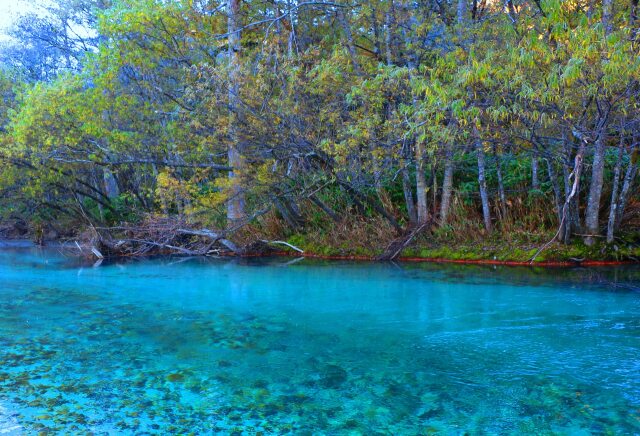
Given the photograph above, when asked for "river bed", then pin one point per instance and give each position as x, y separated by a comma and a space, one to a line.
276, 346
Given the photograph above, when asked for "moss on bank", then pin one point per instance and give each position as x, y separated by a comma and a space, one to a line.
555, 253
496, 248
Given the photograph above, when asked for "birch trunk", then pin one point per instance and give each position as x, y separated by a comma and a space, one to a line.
421, 183
595, 190
408, 195
503, 197
535, 181
614, 193
629, 177
633, 18
556, 188
607, 15
573, 192
351, 46
236, 202
389, 24
482, 181
447, 185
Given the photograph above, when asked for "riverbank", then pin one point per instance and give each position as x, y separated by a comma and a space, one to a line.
514, 249
556, 256
351, 240
573, 262
544, 263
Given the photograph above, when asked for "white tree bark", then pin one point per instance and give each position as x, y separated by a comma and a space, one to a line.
236, 203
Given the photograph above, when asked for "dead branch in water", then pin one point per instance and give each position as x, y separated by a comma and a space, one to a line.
157, 235
213, 236
163, 235
283, 243
395, 248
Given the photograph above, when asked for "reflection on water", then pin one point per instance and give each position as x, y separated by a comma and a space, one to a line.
193, 345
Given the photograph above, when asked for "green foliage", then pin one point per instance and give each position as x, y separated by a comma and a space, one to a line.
353, 111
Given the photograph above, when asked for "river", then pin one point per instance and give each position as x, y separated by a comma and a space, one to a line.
273, 346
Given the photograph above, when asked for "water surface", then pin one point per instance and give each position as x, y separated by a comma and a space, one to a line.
224, 346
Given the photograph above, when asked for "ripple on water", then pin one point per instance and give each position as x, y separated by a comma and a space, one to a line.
9, 424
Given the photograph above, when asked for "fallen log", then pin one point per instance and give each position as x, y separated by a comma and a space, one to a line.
97, 253
397, 245
283, 243
211, 235
160, 235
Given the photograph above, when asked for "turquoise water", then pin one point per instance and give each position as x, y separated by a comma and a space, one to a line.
274, 346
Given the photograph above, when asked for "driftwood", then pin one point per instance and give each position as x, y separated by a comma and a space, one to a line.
395, 248
213, 236
283, 243
157, 236
168, 236
97, 253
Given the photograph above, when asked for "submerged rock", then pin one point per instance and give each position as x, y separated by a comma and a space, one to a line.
175, 377
333, 377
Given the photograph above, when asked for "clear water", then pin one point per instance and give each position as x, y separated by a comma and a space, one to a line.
271, 347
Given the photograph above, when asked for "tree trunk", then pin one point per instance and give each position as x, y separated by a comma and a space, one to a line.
447, 185
556, 188
629, 177
288, 213
315, 200
614, 192
482, 181
461, 14
571, 220
512, 11
595, 190
376, 33
357, 196
111, 189
389, 23
571, 195
607, 15
503, 197
421, 183
236, 203
633, 18
567, 218
351, 46
434, 190
163, 201
535, 182
408, 195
